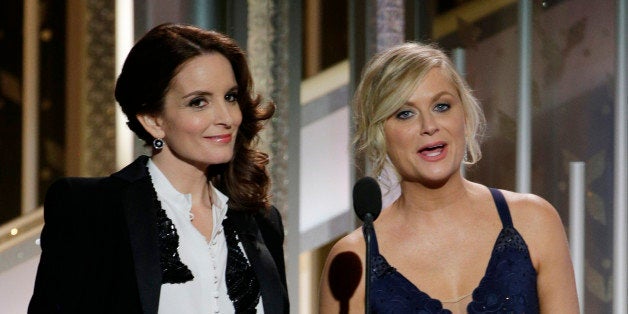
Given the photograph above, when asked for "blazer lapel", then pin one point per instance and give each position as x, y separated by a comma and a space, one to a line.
140, 212
271, 288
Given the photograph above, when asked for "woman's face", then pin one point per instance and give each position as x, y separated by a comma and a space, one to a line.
201, 114
425, 137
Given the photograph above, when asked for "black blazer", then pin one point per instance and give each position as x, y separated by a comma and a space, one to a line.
100, 250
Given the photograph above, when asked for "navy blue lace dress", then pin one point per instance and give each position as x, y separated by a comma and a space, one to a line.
508, 285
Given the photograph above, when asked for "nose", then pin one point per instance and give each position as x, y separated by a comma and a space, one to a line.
429, 126
224, 114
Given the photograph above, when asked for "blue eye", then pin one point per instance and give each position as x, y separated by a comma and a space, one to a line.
442, 107
404, 114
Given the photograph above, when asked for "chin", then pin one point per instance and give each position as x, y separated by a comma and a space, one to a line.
217, 157
435, 184
434, 180
218, 161
213, 160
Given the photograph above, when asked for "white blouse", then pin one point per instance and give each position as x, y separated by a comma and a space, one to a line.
207, 292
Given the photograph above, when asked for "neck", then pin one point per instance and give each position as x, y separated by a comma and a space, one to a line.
417, 197
185, 177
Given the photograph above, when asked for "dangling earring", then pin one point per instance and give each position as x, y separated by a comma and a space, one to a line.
158, 144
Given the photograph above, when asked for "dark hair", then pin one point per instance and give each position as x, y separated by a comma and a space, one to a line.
145, 79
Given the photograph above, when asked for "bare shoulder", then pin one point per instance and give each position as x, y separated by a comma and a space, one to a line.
532, 209
345, 261
342, 281
351, 243
539, 224
541, 227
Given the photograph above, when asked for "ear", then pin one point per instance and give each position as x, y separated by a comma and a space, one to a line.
152, 124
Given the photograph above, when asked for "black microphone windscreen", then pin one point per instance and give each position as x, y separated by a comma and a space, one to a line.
367, 198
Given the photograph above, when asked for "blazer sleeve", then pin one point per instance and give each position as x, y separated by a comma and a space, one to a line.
271, 227
59, 271
85, 263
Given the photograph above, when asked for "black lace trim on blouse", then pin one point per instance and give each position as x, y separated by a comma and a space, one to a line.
172, 269
242, 286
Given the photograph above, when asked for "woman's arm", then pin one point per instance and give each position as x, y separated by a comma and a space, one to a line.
272, 230
543, 230
342, 282
57, 269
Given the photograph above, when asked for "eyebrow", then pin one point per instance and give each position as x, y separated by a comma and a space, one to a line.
436, 96
204, 93
439, 95
196, 93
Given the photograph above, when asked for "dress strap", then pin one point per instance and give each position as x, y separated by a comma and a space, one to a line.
502, 207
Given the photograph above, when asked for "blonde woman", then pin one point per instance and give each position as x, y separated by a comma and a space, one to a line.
446, 245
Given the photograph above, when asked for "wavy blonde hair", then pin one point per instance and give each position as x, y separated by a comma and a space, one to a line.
388, 80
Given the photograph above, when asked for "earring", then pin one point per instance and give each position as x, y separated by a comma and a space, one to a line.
158, 143
467, 150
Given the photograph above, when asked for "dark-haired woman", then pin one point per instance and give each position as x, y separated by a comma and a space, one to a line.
189, 229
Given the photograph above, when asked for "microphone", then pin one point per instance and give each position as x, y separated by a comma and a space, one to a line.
367, 203
367, 198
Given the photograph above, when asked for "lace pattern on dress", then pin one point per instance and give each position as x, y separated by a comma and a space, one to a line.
242, 286
393, 293
509, 284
